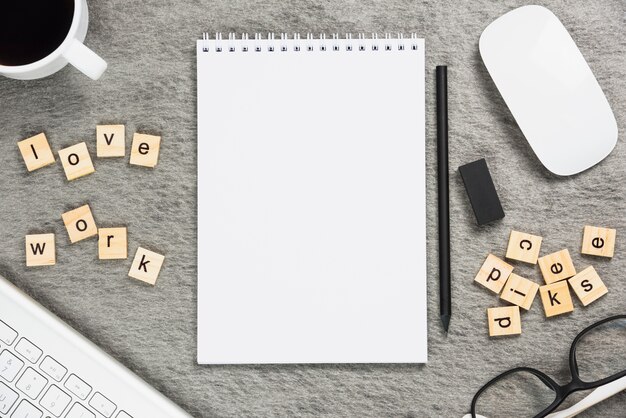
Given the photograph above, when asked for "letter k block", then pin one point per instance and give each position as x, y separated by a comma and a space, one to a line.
556, 298
146, 266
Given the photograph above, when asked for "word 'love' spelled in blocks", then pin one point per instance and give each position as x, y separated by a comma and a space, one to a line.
36, 152
520, 291
598, 241
493, 273
556, 266
556, 298
504, 321
76, 161
144, 150
40, 250
80, 223
588, 286
523, 247
146, 266
112, 243
110, 141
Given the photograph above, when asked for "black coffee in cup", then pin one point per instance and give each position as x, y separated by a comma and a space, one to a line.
32, 29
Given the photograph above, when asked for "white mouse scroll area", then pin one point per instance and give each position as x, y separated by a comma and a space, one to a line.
311, 206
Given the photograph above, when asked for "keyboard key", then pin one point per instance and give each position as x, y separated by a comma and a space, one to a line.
78, 387
7, 334
9, 365
7, 398
29, 350
53, 369
31, 383
26, 410
55, 401
123, 414
79, 411
102, 405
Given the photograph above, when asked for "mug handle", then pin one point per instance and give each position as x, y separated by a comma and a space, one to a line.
85, 60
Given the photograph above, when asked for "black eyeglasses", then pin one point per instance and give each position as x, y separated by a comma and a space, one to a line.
597, 357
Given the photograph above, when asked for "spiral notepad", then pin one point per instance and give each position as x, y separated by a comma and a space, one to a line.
311, 199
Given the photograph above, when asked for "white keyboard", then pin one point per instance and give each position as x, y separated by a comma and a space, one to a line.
47, 370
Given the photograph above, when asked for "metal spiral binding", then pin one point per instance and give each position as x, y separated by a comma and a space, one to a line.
271, 44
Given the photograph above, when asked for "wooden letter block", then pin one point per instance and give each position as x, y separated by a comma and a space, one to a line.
504, 321
145, 150
557, 266
493, 273
36, 152
110, 141
146, 266
588, 286
112, 244
598, 241
520, 291
556, 298
40, 250
76, 161
80, 224
523, 247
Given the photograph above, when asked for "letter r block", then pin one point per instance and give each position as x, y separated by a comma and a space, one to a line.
493, 273
36, 152
557, 266
504, 321
112, 244
146, 266
40, 250
523, 247
556, 298
598, 241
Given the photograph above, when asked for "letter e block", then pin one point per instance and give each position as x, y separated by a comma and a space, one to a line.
110, 141
76, 161
146, 266
493, 273
504, 321
36, 152
598, 241
520, 291
145, 150
523, 247
40, 250
556, 266
556, 298
80, 224
588, 286
112, 244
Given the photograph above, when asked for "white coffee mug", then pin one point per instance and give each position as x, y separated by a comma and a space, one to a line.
71, 50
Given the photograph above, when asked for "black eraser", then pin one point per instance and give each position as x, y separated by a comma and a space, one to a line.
481, 191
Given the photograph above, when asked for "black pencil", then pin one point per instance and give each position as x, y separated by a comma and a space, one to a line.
445, 296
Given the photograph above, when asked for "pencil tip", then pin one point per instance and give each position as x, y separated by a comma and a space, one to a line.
445, 319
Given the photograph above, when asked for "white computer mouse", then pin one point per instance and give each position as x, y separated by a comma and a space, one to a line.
550, 89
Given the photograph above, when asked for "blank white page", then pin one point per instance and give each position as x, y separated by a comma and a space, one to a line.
311, 201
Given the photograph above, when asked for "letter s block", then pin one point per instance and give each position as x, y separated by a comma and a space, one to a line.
598, 241
504, 321
588, 286
523, 247
146, 266
493, 273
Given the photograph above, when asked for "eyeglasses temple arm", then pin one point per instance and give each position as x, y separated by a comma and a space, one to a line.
597, 396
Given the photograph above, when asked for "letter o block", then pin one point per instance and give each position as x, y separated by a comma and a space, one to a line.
80, 224
76, 161
504, 321
493, 273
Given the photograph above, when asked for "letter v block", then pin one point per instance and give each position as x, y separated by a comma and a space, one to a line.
493, 273
40, 250
504, 321
110, 141
556, 298
146, 266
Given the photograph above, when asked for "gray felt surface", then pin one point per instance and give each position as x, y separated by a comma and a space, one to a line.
150, 87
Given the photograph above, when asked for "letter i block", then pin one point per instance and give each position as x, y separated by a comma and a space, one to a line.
504, 321
36, 152
520, 291
76, 161
112, 244
493, 273
523, 247
598, 241
588, 286
556, 298
146, 266
40, 250
80, 224
110, 141
145, 150
557, 266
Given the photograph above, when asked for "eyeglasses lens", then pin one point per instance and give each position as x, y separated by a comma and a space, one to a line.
601, 352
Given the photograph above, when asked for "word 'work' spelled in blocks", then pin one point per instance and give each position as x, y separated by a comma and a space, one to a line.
556, 298
598, 241
36, 152
504, 321
145, 150
40, 250
556, 266
523, 247
520, 291
146, 266
80, 224
76, 161
112, 243
110, 141
588, 286
493, 273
